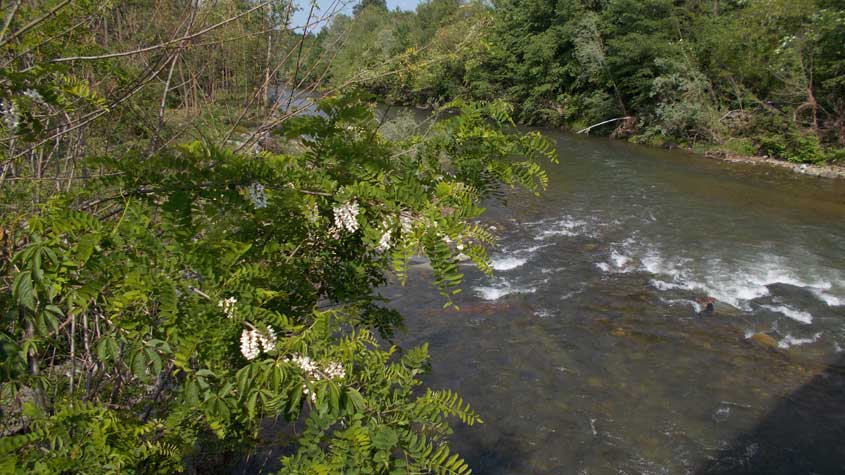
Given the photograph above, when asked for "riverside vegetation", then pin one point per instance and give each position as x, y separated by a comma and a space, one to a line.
747, 77
186, 254
184, 258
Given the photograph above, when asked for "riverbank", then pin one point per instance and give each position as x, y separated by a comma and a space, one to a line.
825, 171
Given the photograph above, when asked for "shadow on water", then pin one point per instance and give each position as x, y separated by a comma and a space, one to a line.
804, 433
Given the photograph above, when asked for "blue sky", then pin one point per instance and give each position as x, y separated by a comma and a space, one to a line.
300, 16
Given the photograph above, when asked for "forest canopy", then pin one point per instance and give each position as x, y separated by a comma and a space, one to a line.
762, 77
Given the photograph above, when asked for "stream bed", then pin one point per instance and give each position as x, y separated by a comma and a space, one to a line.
586, 352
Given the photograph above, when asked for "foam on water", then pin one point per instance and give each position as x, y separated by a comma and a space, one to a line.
566, 226
495, 292
506, 263
830, 300
619, 260
661, 285
797, 315
692, 303
736, 284
789, 341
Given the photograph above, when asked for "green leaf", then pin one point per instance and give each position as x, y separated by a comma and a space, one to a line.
384, 438
23, 291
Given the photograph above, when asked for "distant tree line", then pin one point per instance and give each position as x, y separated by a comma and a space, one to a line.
752, 76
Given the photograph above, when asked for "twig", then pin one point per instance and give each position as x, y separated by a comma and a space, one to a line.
587, 130
161, 45
35, 22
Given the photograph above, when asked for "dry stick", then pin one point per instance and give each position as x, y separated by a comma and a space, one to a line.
252, 99
267, 60
161, 45
95, 115
267, 126
9, 19
358, 78
269, 122
297, 86
35, 22
602, 123
42, 43
230, 39
173, 61
299, 55
297, 89
72, 338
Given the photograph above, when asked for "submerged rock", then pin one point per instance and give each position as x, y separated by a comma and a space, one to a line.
763, 339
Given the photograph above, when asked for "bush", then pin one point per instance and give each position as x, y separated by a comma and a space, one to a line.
795, 147
191, 294
741, 146
835, 155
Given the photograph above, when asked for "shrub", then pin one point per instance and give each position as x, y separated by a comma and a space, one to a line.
191, 294
795, 147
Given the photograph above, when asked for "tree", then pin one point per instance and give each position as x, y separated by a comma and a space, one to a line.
365, 4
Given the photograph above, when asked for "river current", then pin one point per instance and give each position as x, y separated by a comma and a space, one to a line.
586, 352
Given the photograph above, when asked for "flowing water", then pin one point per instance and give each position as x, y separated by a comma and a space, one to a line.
586, 353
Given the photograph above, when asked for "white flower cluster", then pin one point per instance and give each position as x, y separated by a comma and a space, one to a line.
385, 241
406, 220
313, 372
34, 95
253, 341
346, 216
257, 195
249, 344
10, 115
459, 245
228, 306
267, 338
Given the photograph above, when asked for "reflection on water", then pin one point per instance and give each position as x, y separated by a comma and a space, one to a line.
585, 353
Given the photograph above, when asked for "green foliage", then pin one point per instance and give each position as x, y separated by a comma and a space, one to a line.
690, 72
741, 146
794, 147
122, 320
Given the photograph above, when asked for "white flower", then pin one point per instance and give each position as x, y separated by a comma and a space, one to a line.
34, 95
249, 344
228, 306
311, 395
257, 195
305, 363
267, 338
346, 216
406, 221
10, 115
335, 370
313, 371
384, 242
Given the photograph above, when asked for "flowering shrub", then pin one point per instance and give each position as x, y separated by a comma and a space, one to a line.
221, 289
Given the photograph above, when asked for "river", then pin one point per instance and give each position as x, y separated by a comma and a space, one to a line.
585, 353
